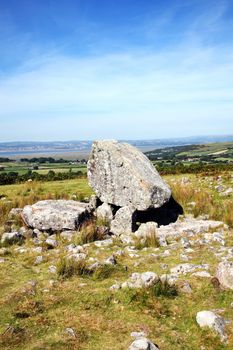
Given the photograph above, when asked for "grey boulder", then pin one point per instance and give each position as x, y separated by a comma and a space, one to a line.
123, 221
123, 176
225, 274
143, 344
12, 238
55, 215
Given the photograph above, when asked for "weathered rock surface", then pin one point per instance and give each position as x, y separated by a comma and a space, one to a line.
11, 238
123, 176
211, 320
104, 212
140, 280
124, 221
225, 274
143, 344
55, 215
190, 226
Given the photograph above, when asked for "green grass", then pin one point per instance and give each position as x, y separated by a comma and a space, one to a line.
35, 318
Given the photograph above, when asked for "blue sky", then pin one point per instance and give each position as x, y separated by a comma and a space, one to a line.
142, 69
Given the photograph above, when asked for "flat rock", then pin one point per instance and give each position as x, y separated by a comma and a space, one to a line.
141, 280
55, 215
123, 176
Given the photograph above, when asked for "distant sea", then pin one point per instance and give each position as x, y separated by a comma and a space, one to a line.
81, 149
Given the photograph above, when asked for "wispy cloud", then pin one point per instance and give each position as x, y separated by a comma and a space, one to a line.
181, 88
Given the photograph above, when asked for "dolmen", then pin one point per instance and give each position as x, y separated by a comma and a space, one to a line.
128, 191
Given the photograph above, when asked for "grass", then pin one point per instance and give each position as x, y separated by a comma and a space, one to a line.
35, 318
149, 241
70, 267
20, 195
207, 200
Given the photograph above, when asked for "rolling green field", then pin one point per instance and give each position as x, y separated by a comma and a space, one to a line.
208, 153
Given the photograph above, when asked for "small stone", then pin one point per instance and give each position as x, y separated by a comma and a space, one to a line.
143, 344
111, 260
104, 243
186, 288
11, 238
202, 274
52, 269
39, 260
138, 334
115, 287
51, 243
70, 332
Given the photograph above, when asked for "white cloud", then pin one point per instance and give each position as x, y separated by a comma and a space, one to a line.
180, 89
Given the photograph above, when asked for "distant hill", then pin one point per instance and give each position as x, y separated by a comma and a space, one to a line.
62, 147
210, 152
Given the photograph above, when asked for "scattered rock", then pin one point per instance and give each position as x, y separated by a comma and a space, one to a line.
187, 268
185, 287
39, 260
146, 230
140, 280
51, 243
67, 235
225, 274
104, 243
12, 238
15, 212
211, 320
71, 332
111, 260
52, 269
202, 274
143, 344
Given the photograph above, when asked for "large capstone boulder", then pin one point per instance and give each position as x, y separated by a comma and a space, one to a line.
55, 215
123, 176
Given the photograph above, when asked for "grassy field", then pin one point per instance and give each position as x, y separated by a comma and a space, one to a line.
208, 153
35, 317
22, 167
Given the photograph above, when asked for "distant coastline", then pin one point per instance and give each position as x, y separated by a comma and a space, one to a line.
81, 149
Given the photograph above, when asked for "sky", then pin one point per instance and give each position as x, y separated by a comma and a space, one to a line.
124, 69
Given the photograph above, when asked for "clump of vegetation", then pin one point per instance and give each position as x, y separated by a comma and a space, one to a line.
88, 233
68, 267
206, 202
164, 289
149, 241
105, 271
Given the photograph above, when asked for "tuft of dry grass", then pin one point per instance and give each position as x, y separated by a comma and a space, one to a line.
70, 267
149, 241
206, 202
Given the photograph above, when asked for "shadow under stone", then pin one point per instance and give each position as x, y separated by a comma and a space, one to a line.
164, 215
